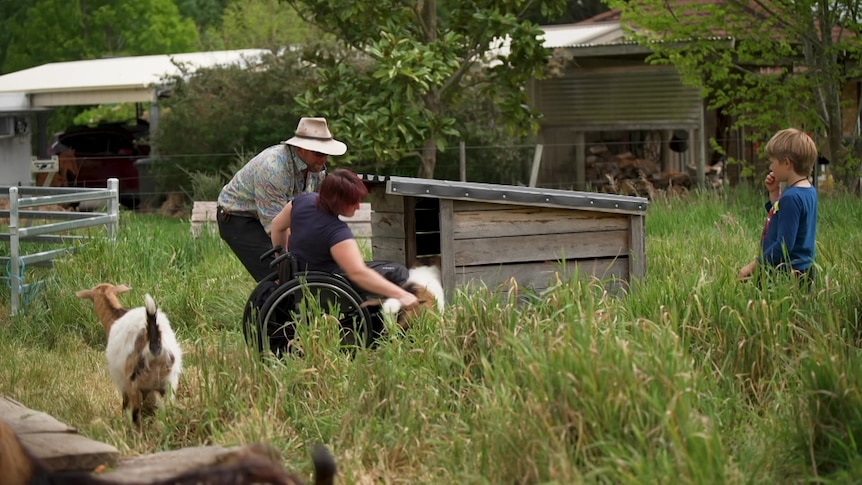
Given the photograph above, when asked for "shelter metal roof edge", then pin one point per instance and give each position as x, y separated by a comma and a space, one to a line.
509, 194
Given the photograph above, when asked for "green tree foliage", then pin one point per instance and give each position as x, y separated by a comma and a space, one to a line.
63, 30
11, 13
576, 10
261, 24
216, 114
403, 65
763, 62
206, 14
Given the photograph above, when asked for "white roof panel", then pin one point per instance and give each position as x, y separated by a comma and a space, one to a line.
124, 79
13, 102
580, 34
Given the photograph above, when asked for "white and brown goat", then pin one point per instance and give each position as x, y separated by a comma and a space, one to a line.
426, 283
105, 303
144, 358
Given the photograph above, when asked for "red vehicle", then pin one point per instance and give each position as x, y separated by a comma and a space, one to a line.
89, 156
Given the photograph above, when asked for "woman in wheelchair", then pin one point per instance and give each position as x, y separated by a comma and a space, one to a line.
310, 229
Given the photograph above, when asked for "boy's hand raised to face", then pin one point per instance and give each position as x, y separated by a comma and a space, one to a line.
771, 184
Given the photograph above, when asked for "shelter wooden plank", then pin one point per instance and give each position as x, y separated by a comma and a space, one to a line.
637, 247
409, 235
473, 206
550, 247
388, 224
447, 250
535, 221
539, 276
388, 249
383, 202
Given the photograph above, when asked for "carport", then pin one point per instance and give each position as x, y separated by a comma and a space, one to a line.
134, 79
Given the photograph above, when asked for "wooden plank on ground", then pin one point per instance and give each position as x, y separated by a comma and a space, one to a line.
55, 443
69, 451
168, 464
24, 420
550, 247
533, 220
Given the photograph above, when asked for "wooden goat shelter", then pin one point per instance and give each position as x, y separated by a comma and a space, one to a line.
489, 233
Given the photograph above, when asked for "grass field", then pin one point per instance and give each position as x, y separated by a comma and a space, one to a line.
691, 378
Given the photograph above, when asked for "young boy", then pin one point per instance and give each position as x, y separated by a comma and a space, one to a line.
787, 241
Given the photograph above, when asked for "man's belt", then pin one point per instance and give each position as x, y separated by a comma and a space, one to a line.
251, 214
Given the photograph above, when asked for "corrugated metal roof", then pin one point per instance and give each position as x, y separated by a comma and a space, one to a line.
509, 194
132, 76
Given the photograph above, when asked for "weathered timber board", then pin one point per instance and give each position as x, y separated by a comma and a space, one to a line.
548, 247
55, 443
637, 245
204, 216
387, 224
381, 201
540, 276
23, 420
534, 221
167, 464
410, 228
204, 211
447, 250
388, 249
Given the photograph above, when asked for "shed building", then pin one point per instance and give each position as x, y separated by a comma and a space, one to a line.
489, 233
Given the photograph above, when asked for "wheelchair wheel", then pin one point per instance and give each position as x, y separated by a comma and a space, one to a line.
291, 302
251, 312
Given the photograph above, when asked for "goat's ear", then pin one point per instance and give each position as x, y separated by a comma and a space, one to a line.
84, 294
122, 289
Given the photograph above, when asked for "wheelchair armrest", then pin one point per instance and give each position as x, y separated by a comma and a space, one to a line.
286, 266
270, 253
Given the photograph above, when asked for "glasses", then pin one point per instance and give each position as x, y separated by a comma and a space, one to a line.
318, 154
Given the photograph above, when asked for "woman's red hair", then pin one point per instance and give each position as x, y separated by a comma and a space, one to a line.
340, 189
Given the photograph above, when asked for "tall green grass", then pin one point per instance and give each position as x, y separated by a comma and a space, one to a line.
691, 377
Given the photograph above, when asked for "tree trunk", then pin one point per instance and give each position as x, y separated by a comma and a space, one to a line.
429, 159
429, 150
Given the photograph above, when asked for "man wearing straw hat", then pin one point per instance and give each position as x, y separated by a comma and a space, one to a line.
260, 189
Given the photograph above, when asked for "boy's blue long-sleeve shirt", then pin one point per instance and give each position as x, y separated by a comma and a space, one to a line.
790, 229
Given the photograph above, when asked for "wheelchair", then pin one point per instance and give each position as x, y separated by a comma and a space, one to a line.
287, 297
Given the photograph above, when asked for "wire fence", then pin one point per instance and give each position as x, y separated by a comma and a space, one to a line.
155, 177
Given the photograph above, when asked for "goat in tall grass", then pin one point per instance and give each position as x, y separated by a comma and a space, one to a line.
253, 465
143, 355
105, 303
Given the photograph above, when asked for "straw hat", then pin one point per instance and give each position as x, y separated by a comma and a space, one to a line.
313, 134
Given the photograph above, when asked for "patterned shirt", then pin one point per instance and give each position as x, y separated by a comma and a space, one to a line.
267, 183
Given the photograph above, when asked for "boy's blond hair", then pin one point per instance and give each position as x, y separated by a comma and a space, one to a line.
794, 145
